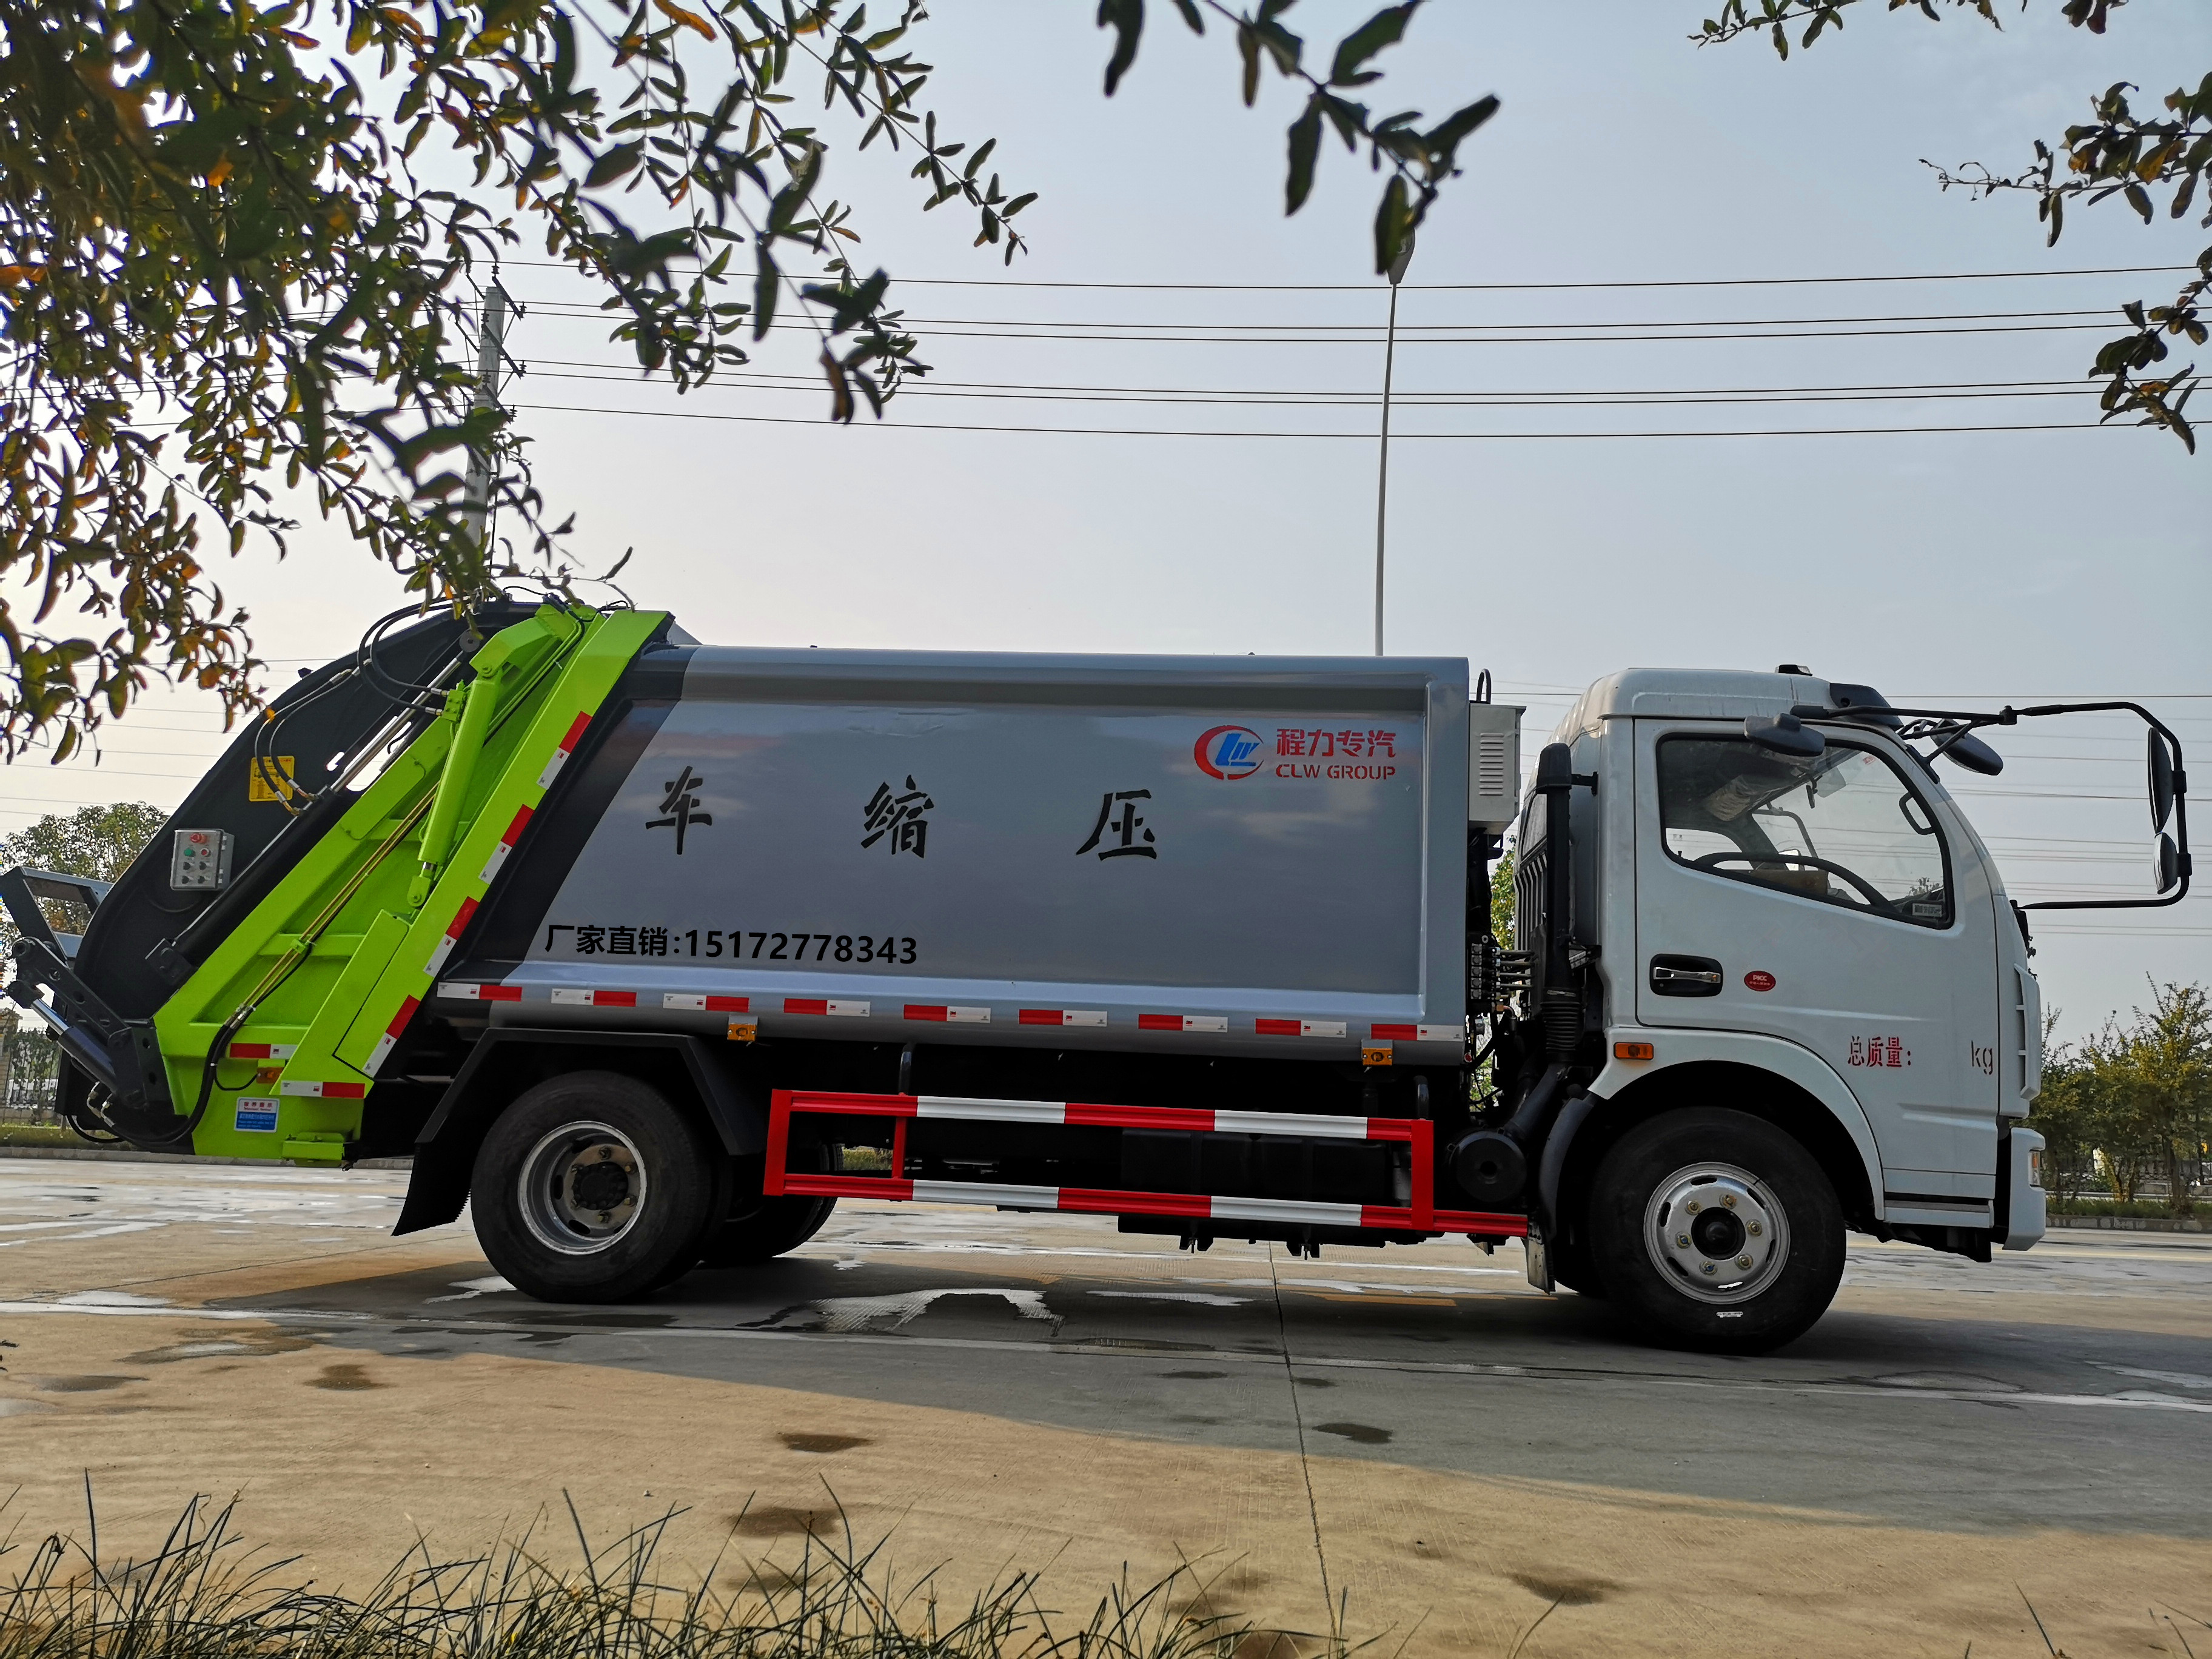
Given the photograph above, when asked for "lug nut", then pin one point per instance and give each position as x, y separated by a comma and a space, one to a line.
1743, 1261
1691, 1206
1708, 1269
1728, 1199
1753, 1229
1681, 1241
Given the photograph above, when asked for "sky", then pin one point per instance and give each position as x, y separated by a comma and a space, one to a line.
1234, 509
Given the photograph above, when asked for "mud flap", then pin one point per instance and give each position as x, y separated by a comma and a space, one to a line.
1539, 1259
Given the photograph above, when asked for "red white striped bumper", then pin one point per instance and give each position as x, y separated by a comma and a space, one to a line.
1420, 1215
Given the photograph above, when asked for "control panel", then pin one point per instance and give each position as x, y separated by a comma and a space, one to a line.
200, 862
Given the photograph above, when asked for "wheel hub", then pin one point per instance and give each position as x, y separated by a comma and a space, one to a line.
1717, 1233
582, 1187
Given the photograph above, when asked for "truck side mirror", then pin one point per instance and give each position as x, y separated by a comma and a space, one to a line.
1970, 751
1784, 734
2162, 785
2166, 864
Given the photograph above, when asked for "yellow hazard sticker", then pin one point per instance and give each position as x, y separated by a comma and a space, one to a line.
261, 785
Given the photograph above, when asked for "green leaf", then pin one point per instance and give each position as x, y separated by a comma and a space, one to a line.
1386, 28
612, 165
1444, 140
1126, 19
766, 281
1394, 222
1305, 151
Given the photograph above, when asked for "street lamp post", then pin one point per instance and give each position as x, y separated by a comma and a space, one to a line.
1397, 274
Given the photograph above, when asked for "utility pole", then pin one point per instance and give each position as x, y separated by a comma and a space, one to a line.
1397, 274
492, 332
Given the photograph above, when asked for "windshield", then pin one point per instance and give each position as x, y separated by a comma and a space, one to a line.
1845, 827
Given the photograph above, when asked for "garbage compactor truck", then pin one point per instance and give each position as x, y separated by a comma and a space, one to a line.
649, 952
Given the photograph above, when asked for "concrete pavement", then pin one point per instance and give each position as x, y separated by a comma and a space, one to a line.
1414, 1436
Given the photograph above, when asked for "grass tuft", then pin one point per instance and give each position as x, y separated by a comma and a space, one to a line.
202, 1594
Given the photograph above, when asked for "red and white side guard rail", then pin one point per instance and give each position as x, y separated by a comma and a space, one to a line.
1421, 1216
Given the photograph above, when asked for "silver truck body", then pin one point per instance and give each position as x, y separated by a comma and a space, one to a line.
1196, 855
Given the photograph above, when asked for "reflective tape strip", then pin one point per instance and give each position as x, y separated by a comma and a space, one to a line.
560, 755
386, 1043
1291, 1123
977, 1192
324, 1091
455, 929
577, 997
263, 1050
992, 1111
1183, 1022
462, 991
946, 1014
1418, 1033
514, 833
1295, 1211
706, 1005
823, 1006
1320, 1028
1063, 1017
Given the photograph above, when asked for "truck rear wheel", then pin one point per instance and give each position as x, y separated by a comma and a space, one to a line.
1714, 1230
772, 1227
593, 1187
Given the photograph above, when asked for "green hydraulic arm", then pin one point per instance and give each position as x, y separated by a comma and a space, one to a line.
276, 1039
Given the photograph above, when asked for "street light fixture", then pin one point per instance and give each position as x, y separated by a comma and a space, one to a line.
1397, 274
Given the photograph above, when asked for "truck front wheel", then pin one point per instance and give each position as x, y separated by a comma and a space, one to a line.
593, 1187
1715, 1229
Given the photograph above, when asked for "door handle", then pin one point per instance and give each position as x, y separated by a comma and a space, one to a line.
1687, 976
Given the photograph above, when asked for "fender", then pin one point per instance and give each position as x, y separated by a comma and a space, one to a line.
1788, 1060
446, 1148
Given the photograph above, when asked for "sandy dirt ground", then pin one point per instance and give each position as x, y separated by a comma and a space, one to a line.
1415, 1437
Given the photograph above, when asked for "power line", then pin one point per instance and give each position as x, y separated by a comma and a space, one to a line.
1476, 288
1198, 398
1366, 437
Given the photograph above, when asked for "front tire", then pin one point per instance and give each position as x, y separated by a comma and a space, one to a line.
1716, 1230
593, 1187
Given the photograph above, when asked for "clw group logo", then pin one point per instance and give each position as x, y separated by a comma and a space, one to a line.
1228, 752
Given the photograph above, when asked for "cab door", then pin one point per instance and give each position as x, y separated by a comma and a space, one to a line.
1824, 902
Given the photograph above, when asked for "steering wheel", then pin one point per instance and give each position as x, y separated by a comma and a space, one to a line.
1873, 897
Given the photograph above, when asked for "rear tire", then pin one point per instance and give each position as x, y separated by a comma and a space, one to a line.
776, 1227
760, 1229
1714, 1230
593, 1187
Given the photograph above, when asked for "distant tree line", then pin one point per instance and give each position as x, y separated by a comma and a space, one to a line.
2129, 1108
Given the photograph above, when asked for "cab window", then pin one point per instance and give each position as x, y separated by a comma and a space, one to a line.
1844, 828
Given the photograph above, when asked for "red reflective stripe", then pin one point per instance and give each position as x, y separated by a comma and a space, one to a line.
458, 925
1139, 1117
344, 1091
815, 1185
1276, 1027
1113, 1203
926, 1011
614, 999
249, 1051
849, 1105
499, 993
728, 1005
1040, 1017
576, 732
806, 1004
399, 1020
1159, 1021
514, 830
1408, 1033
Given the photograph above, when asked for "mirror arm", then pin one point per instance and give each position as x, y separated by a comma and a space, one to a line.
2008, 715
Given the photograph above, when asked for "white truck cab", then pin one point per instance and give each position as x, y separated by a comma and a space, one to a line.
1776, 921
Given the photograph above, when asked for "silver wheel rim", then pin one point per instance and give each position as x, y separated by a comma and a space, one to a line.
1716, 1233
582, 1187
